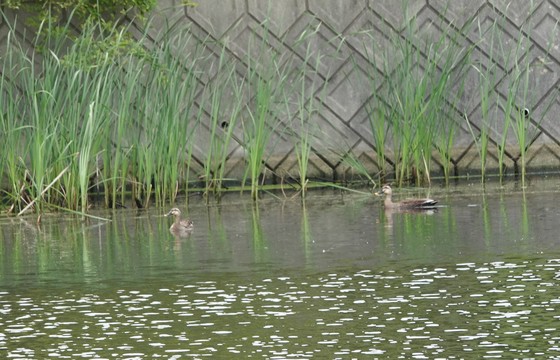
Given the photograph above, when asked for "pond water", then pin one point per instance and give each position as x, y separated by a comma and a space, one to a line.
334, 277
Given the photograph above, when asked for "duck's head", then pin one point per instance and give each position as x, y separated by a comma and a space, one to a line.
174, 212
385, 190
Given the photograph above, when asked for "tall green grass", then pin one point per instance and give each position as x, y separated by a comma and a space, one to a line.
302, 97
486, 74
58, 110
378, 126
510, 98
224, 96
257, 130
13, 128
411, 106
96, 111
163, 111
266, 79
101, 112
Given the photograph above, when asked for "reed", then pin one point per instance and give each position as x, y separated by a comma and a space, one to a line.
257, 133
506, 102
481, 143
94, 125
154, 125
38, 164
98, 111
45, 155
508, 106
444, 141
118, 147
225, 97
354, 163
309, 89
510, 99
178, 87
519, 98
486, 79
113, 91
378, 122
378, 126
266, 79
412, 99
82, 93
302, 138
106, 116
12, 130
53, 106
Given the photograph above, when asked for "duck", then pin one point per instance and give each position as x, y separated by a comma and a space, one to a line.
410, 204
180, 225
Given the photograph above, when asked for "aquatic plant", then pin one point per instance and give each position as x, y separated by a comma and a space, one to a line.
64, 112
353, 163
78, 118
511, 111
444, 141
519, 98
377, 120
165, 119
481, 144
302, 137
224, 96
12, 130
309, 88
118, 148
256, 130
265, 79
411, 102
486, 79
378, 125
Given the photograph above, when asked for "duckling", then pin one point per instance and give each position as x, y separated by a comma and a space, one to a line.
179, 225
404, 204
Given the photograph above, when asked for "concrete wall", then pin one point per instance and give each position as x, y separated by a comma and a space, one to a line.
344, 28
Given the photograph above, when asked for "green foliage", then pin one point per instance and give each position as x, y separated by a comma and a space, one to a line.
223, 118
51, 20
411, 108
107, 10
266, 80
100, 110
73, 126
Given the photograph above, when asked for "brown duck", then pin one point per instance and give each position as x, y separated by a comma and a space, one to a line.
180, 225
404, 204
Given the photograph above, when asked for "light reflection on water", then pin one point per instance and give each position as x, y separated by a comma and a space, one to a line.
335, 279
499, 308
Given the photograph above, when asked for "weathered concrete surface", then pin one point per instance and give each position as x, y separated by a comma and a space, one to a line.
340, 48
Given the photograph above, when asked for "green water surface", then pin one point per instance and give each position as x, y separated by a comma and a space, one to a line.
335, 276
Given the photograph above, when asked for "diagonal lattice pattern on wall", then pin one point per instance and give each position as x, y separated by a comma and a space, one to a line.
345, 31
344, 54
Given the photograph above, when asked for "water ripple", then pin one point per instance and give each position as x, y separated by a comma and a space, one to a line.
496, 309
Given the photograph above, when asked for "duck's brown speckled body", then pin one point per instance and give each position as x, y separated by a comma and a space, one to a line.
405, 204
180, 225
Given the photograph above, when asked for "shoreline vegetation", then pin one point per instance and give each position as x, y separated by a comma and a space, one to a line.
102, 113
